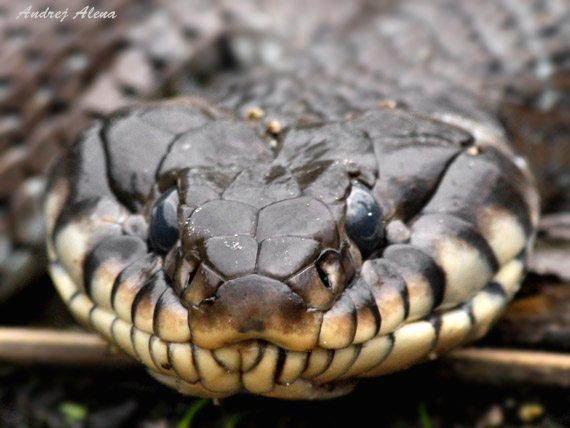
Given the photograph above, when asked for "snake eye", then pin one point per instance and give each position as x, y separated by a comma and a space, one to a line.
163, 230
364, 222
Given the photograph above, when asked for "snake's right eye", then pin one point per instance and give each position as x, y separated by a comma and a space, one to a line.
163, 228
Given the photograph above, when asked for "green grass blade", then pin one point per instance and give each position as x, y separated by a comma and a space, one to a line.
195, 407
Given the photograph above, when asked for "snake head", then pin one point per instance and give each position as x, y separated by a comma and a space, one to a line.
258, 259
261, 251
229, 258
188, 223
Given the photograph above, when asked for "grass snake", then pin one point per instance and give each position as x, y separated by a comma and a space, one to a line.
336, 194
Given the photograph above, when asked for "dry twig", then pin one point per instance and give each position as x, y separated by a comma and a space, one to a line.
510, 366
23, 345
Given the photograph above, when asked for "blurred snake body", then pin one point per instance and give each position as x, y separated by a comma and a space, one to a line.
344, 208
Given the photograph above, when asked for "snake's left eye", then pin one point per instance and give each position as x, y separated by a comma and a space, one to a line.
163, 228
364, 219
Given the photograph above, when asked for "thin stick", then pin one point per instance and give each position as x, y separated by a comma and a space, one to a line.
535, 359
23, 345
510, 366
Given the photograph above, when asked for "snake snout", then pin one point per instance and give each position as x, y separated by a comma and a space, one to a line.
237, 289
255, 307
268, 274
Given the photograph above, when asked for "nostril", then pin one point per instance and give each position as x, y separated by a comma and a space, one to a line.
200, 284
186, 269
191, 276
314, 288
331, 271
324, 277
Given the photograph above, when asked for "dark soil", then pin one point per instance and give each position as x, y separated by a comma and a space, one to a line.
47, 397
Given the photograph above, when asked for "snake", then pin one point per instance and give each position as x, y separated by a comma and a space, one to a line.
281, 198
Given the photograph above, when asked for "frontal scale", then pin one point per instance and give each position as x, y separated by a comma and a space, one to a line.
231, 257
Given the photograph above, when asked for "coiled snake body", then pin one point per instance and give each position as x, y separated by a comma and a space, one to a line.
343, 205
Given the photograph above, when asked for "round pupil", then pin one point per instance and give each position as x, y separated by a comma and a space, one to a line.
163, 231
364, 223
